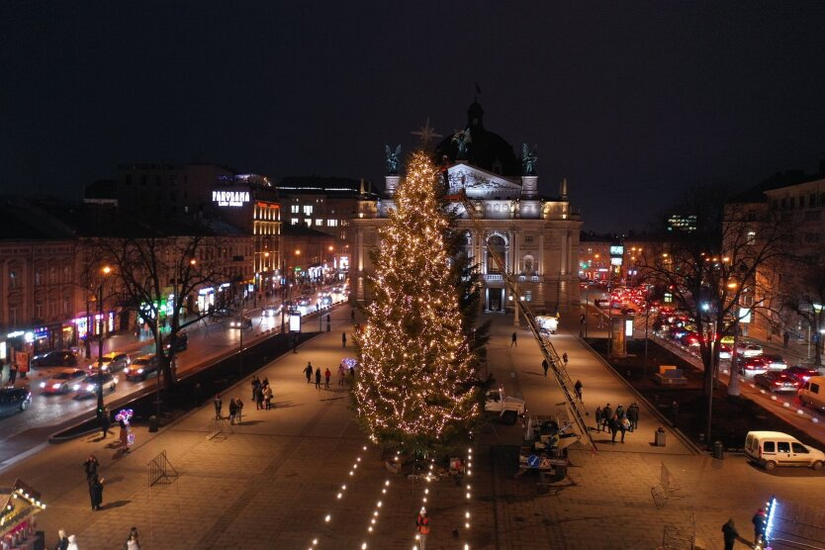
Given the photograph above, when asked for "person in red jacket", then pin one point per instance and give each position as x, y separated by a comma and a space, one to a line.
422, 525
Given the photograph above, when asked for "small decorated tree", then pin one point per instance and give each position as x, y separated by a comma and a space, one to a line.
416, 385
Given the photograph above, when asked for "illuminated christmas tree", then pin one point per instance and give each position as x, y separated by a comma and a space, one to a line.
416, 384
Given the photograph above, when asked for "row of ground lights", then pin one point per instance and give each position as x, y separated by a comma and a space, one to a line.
468, 487
424, 499
787, 405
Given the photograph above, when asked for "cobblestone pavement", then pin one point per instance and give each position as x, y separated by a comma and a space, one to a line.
271, 482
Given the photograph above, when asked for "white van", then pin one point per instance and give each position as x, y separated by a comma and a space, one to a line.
813, 392
772, 449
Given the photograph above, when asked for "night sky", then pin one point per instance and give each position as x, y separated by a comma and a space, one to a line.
634, 102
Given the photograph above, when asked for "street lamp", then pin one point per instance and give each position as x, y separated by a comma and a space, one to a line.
105, 271
733, 382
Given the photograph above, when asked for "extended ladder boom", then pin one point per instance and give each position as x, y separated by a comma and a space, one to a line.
575, 405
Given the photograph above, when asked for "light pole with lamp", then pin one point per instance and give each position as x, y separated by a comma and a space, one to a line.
105, 271
733, 381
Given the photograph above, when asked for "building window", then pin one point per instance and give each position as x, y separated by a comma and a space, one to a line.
13, 279
319, 223
528, 239
52, 275
811, 237
65, 305
528, 295
38, 277
294, 208
813, 215
812, 200
802, 201
529, 263
67, 274
13, 317
38, 310
332, 223
307, 210
751, 237
792, 202
294, 221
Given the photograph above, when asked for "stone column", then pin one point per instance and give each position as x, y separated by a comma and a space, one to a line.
390, 184
529, 186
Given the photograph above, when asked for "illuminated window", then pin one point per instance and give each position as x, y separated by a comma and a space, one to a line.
13, 280
307, 210
751, 237
332, 223
294, 209
294, 221
319, 222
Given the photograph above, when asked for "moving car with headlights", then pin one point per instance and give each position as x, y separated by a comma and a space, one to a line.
747, 349
751, 366
14, 400
141, 367
63, 381
88, 386
271, 311
181, 342
812, 393
772, 449
801, 373
112, 362
241, 322
776, 381
774, 362
56, 358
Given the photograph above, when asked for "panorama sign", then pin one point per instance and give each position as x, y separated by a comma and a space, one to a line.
230, 198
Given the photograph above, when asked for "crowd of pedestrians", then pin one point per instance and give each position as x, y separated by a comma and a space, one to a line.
618, 421
262, 393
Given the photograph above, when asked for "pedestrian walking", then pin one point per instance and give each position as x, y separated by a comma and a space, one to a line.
620, 411
62, 540
259, 398
342, 374
343, 339
674, 412
255, 385
730, 534
105, 421
268, 395
96, 492
633, 416
759, 520
613, 424
514, 340
308, 371
12, 374
124, 435
545, 365
785, 339
90, 466
218, 406
327, 374
239, 410
607, 414
233, 410
318, 378
72, 543
578, 387
598, 415
564, 358
352, 316
422, 525
624, 425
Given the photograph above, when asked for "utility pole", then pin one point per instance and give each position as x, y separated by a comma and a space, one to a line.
100, 326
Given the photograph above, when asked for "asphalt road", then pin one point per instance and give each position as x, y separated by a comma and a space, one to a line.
48, 414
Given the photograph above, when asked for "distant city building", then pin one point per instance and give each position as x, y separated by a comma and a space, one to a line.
682, 222
538, 236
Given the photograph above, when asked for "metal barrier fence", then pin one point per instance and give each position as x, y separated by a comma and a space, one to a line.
161, 469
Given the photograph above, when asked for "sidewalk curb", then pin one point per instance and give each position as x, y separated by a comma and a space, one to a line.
684, 439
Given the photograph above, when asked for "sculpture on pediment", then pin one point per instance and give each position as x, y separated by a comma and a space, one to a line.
529, 160
462, 139
392, 159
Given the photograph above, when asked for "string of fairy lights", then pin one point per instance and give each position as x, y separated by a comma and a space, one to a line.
416, 361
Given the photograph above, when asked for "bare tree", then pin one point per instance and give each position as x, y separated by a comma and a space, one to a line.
712, 273
150, 269
802, 280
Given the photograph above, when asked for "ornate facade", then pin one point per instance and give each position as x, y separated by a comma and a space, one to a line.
537, 236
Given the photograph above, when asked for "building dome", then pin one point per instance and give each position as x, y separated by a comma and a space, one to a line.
486, 150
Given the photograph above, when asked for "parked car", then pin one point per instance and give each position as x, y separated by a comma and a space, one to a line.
63, 381
56, 358
751, 366
774, 362
772, 449
508, 408
141, 367
112, 362
748, 349
13, 400
777, 381
88, 386
801, 373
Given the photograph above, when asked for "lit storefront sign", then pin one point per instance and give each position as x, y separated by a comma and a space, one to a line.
230, 198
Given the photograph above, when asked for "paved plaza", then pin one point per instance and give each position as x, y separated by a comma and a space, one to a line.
271, 482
